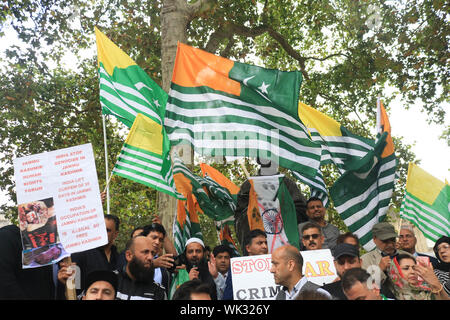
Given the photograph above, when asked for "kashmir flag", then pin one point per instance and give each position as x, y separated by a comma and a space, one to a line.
427, 203
362, 194
125, 88
217, 176
213, 200
226, 108
223, 227
272, 210
339, 145
227, 240
187, 224
144, 157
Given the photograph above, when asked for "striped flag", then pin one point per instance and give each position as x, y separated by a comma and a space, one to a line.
125, 88
223, 227
427, 203
362, 194
187, 224
144, 158
317, 186
213, 200
339, 146
226, 108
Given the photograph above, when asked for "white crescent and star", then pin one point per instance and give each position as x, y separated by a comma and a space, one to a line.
262, 88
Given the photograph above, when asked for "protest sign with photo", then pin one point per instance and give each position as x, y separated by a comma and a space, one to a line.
59, 205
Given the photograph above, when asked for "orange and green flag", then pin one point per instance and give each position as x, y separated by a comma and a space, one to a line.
226, 108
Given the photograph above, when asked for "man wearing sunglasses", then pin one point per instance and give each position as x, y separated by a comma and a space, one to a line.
312, 237
316, 213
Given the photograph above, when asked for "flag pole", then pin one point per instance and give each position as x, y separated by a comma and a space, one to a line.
106, 164
241, 162
378, 127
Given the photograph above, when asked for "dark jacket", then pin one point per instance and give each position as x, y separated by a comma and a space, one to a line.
94, 259
128, 289
335, 289
166, 276
18, 283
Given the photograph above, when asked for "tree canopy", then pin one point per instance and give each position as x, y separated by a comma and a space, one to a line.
349, 52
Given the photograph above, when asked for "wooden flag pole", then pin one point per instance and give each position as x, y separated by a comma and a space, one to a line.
241, 162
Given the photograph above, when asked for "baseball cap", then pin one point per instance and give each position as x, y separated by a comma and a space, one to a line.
384, 231
345, 249
102, 275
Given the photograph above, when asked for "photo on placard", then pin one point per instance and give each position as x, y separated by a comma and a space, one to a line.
39, 234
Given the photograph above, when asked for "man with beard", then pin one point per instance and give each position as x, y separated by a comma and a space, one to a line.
197, 264
136, 281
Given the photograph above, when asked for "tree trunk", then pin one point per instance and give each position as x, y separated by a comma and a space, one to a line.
174, 20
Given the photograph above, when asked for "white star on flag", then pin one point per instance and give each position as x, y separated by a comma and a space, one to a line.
264, 87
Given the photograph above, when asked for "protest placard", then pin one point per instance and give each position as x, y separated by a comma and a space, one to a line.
318, 266
252, 279
59, 205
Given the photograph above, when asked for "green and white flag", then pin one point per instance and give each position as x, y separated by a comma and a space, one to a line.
213, 200
316, 185
226, 108
339, 145
144, 157
427, 203
362, 194
125, 89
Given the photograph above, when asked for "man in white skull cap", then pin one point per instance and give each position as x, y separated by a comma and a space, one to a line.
197, 264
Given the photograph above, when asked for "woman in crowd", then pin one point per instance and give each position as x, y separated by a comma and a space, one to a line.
412, 281
442, 270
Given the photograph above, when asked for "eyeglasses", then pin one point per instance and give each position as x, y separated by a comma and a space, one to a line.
314, 236
444, 246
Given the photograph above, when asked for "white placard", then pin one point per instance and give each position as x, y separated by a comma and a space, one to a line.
252, 279
67, 180
318, 266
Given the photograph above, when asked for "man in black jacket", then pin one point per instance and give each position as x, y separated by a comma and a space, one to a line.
15, 282
136, 280
101, 258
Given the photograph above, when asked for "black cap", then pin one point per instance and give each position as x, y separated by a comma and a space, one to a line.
345, 249
102, 275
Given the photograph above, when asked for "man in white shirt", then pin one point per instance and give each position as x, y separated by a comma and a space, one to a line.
287, 263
